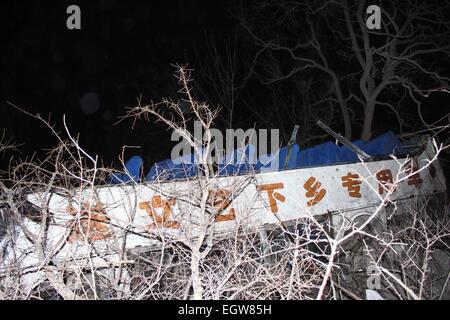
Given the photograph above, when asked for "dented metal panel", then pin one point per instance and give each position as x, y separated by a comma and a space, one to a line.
249, 201
136, 216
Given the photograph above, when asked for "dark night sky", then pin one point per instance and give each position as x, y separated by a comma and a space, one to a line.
124, 50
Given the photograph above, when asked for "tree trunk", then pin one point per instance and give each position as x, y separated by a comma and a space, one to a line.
343, 105
196, 280
366, 133
347, 123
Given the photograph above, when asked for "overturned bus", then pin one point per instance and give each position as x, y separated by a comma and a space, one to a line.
94, 225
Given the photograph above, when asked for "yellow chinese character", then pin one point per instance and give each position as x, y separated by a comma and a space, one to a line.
385, 180
414, 178
273, 196
160, 220
353, 184
221, 200
92, 223
314, 191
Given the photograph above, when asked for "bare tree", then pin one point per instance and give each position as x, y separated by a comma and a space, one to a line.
314, 257
362, 70
218, 78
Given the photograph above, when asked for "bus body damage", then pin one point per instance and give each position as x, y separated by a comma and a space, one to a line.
92, 227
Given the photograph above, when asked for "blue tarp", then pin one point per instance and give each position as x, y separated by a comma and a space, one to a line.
133, 171
347, 155
283, 153
329, 153
241, 161
265, 162
276, 162
382, 145
326, 153
170, 170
